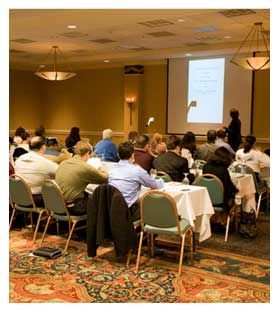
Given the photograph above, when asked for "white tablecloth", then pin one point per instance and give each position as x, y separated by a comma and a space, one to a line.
193, 204
246, 186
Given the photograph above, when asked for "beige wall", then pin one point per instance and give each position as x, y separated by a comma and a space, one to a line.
94, 100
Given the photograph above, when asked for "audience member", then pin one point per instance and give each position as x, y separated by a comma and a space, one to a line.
252, 157
220, 141
142, 155
34, 168
171, 162
18, 133
105, 148
40, 131
72, 139
204, 151
23, 147
74, 174
53, 152
218, 164
128, 178
132, 136
234, 130
157, 145
188, 147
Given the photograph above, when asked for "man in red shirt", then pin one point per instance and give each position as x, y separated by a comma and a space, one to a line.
142, 155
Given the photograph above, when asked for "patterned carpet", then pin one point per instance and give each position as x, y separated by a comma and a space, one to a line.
215, 276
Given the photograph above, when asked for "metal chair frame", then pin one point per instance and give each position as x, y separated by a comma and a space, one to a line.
72, 220
179, 233
33, 208
233, 209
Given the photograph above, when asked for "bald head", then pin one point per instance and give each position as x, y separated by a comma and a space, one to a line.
37, 144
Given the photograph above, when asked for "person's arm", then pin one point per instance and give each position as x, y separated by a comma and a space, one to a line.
95, 176
51, 167
146, 180
263, 159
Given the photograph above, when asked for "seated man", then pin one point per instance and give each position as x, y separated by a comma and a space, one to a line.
142, 155
23, 147
74, 174
105, 149
171, 162
204, 151
53, 153
128, 178
220, 141
34, 168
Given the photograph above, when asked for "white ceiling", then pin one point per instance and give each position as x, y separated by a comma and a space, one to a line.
130, 41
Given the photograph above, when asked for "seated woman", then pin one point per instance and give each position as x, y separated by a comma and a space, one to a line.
72, 139
157, 145
188, 147
218, 165
253, 158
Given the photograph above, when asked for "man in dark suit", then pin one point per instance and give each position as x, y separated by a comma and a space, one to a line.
171, 162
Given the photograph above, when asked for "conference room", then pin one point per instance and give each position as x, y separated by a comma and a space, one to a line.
141, 81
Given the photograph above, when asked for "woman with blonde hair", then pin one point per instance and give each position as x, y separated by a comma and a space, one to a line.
157, 145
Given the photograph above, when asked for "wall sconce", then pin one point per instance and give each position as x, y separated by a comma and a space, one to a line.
130, 102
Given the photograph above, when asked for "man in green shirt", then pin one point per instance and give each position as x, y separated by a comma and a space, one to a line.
74, 174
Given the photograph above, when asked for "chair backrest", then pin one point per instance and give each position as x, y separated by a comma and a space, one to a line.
53, 198
164, 176
158, 209
214, 187
20, 192
247, 170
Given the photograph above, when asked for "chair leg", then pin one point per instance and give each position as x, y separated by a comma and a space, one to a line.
152, 245
227, 228
70, 235
258, 204
57, 227
45, 230
191, 245
139, 251
181, 253
12, 217
37, 227
128, 258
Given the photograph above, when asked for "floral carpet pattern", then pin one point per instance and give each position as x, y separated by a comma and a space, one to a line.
214, 276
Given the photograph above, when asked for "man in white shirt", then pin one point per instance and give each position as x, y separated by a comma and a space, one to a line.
34, 168
128, 178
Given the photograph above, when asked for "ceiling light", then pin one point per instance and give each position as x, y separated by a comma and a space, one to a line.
188, 54
106, 61
181, 20
227, 37
72, 26
257, 58
51, 72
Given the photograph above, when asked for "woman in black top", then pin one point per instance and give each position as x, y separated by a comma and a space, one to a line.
234, 130
72, 139
218, 165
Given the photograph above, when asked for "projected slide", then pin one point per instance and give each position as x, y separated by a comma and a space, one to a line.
206, 91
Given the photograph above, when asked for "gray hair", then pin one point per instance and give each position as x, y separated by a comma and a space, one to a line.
107, 134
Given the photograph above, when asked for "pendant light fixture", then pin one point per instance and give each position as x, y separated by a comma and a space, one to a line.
52, 72
257, 57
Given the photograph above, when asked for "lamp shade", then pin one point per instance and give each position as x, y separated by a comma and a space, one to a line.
51, 72
257, 57
54, 76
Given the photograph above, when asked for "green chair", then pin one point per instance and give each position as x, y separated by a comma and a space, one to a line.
164, 176
159, 216
58, 210
21, 199
260, 190
215, 189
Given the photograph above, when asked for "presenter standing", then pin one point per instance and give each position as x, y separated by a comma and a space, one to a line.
233, 131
